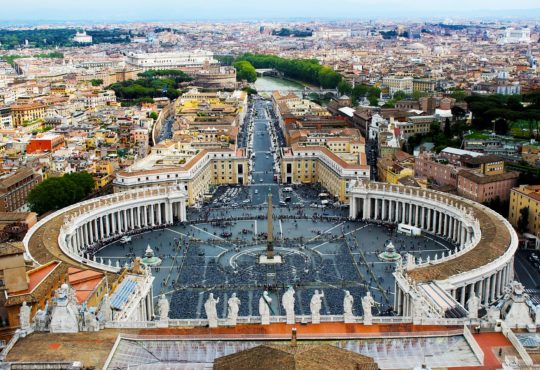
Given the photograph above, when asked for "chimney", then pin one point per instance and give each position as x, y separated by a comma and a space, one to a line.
293, 338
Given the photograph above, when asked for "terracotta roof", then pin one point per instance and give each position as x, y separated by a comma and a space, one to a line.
493, 244
486, 179
300, 357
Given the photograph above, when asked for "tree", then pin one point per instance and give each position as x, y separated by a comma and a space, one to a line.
245, 71
59, 192
153, 115
447, 130
96, 82
523, 221
399, 95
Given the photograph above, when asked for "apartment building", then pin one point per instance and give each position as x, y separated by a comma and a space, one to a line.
14, 188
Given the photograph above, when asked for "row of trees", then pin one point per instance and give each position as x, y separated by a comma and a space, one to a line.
47, 38
245, 71
307, 70
58, 192
150, 85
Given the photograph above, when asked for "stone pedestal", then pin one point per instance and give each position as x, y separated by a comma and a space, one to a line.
349, 319
316, 319
368, 320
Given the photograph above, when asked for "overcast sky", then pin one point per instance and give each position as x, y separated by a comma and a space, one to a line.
132, 10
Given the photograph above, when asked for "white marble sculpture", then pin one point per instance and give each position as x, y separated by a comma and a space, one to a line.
348, 302
106, 309
24, 316
515, 310
65, 313
537, 315
473, 305
90, 321
211, 310
163, 305
417, 310
288, 304
315, 307
41, 320
264, 308
367, 303
233, 307
493, 314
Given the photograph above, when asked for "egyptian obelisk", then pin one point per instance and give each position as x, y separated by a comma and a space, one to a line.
270, 238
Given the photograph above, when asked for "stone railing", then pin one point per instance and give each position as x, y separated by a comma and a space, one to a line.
477, 350
299, 319
508, 333
19, 333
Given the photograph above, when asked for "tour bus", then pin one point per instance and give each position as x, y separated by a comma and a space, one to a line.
287, 190
409, 230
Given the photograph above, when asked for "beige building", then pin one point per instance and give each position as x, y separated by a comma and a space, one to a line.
525, 196
23, 113
312, 164
196, 170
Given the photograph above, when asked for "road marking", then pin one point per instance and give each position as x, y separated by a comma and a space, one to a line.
280, 229
326, 231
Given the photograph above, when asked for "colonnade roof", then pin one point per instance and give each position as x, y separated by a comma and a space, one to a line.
495, 240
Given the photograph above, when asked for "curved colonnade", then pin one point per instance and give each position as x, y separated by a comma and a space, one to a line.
482, 262
91, 224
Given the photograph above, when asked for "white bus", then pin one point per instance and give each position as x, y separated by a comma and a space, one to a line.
409, 230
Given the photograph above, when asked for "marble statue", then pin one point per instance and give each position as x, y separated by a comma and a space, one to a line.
233, 306
41, 320
24, 316
90, 321
514, 309
315, 307
211, 310
537, 315
287, 302
473, 305
163, 305
418, 309
264, 308
65, 313
106, 309
493, 314
348, 301
367, 303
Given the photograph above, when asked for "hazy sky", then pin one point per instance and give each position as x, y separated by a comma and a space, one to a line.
128, 10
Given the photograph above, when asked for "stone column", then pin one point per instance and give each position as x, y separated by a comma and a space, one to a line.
480, 289
499, 283
492, 287
462, 296
486, 291
428, 228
